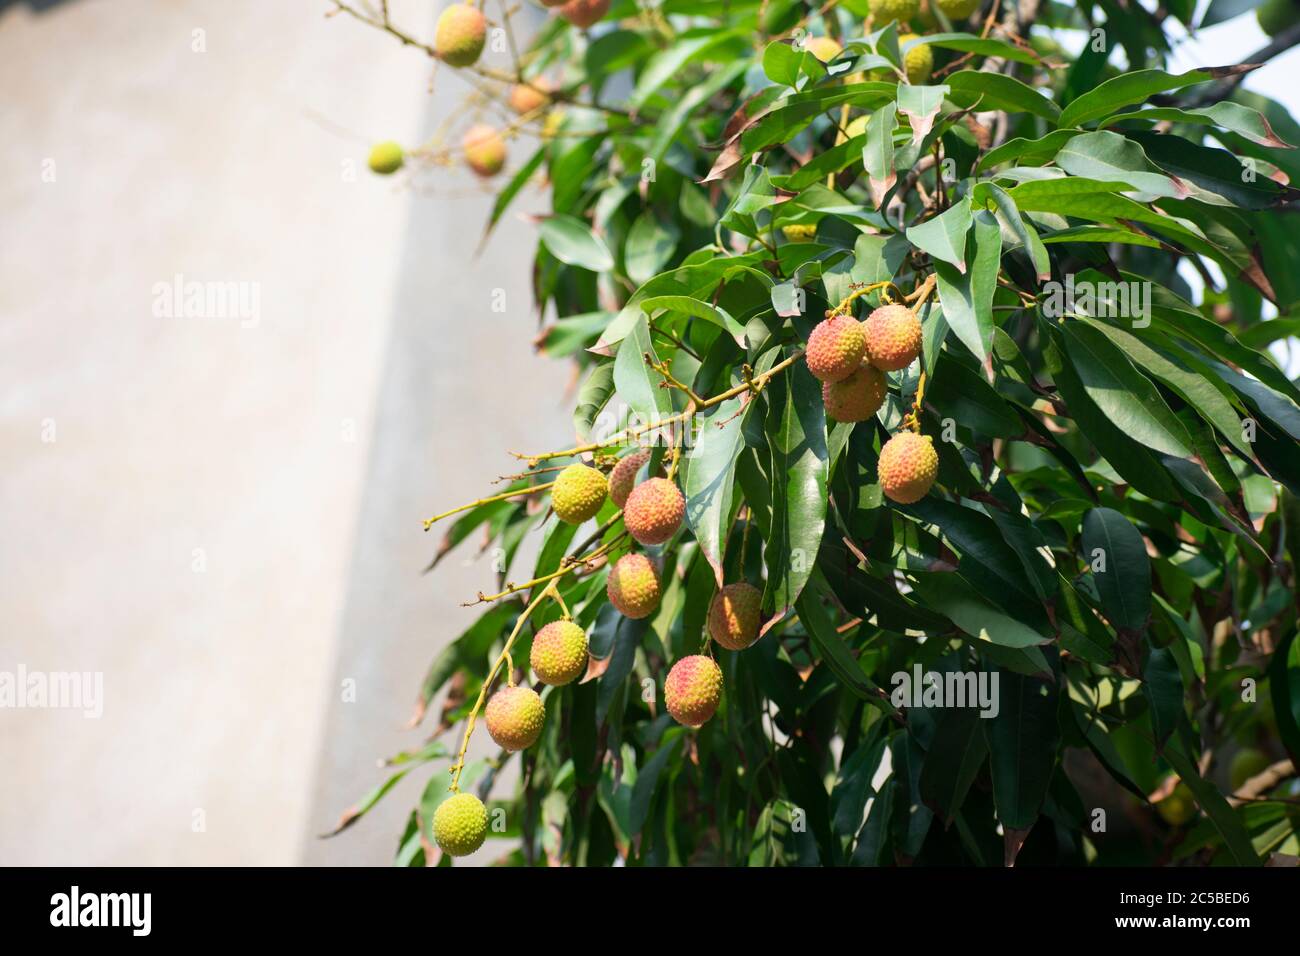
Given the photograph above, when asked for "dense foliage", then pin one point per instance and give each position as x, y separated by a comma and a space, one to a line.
1113, 531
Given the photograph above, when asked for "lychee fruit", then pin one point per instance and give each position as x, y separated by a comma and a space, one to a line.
460, 824
385, 158
1246, 763
856, 398
633, 586
693, 690
559, 654
527, 97
957, 10
514, 717
485, 150
654, 511
824, 48
883, 11
1179, 807
578, 493
623, 477
918, 61
800, 232
735, 615
460, 35
908, 467
893, 337
835, 348
583, 13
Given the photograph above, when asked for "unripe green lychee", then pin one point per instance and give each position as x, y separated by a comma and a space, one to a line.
856, 398
460, 824
654, 511
918, 61
485, 150
578, 493
824, 48
583, 13
1179, 807
514, 717
885, 10
908, 467
893, 337
835, 348
559, 654
460, 35
735, 616
527, 97
800, 232
623, 477
957, 10
693, 690
633, 586
1246, 763
1274, 16
385, 158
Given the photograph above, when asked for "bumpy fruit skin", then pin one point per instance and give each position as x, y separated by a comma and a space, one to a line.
385, 158
735, 616
1274, 16
583, 13
918, 61
693, 690
885, 10
514, 717
1177, 808
559, 654
633, 586
835, 348
527, 97
654, 511
623, 477
460, 824
908, 467
824, 48
800, 232
893, 337
485, 150
460, 35
856, 398
578, 493
1246, 763
957, 10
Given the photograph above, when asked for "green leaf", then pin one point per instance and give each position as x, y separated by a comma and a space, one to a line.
696, 308
948, 594
1109, 157
1115, 551
1133, 87
650, 244
711, 478
1022, 741
647, 780
638, 384
1223, 817
878, 153
997, 91
570, 241
592, 399
944, 236
968, 43
955, 757
967, 298
512, 188
1239, 119
831, 647
1163, 687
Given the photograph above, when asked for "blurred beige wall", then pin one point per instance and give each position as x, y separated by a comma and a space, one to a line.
221, 514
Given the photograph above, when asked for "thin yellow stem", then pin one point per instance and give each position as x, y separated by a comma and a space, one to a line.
487, 501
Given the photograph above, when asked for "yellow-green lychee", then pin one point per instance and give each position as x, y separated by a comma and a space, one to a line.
893, 337
835, 348
559, 654
824, 48
485, 150
514, 717
918, 61
385, 158
460, 824
799, 232
1179, 807
908, 467
578, 493
882, 11
460, 35
654, 511
1274, 16
584, 13
735, 616
623, 477
957, 10
633, 586
527, 97
693, 690
1246, 763
856, 398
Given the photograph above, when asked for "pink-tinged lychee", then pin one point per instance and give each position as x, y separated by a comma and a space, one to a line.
908, 467
527, 97
623, 477
584, 13
460, 824
654, 511
835, 348
893, 336
578, 493
485, 150
514, 717
856, 398
460, 35
735, 616
693, 690
559, 653
633, 586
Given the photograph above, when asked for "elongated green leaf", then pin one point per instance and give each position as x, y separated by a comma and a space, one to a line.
636, 383
989, 91
944, 236
1243, 120
1022, 741
1120, 567
1133, 88
711, 478
570, 241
